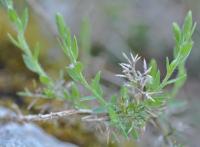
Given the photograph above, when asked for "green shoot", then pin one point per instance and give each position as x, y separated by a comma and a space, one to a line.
30, 57
142, 97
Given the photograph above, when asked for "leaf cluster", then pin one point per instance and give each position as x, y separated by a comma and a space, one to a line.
128, 112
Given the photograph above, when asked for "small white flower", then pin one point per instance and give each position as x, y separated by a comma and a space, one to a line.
136, 80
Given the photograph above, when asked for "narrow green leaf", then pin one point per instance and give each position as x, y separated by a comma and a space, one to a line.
36, 51
63, 47
13, 15
25, 93
74, 91
173, 66
44, 80
176, 32
154, 67
124, 92
14, 41
96, 85
49, 93
187, 26
29, 63
67, 95
123, 129
24, 18
158, 101
185, 50
156, 80
75, 48
87, 98
61, 24
64, 34
176, 80
167, 64
113, 116
193, 28
75, 70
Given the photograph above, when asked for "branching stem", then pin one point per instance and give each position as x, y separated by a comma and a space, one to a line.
88, 116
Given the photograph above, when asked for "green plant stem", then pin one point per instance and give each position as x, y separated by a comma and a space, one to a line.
86, 85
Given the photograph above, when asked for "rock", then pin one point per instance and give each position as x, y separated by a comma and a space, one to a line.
5, 112
26, 135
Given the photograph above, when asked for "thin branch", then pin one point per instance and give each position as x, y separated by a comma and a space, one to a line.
89, 116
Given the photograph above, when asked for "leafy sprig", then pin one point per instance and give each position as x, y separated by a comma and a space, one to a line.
142, 98
30, 57
75, 69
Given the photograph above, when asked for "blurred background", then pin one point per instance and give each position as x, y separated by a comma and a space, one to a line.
105, 29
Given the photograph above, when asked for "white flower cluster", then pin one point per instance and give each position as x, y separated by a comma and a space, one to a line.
136, 80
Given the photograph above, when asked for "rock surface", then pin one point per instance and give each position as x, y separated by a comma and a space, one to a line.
26, 135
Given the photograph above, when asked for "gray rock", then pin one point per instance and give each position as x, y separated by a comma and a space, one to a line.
26, 135
5, 112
